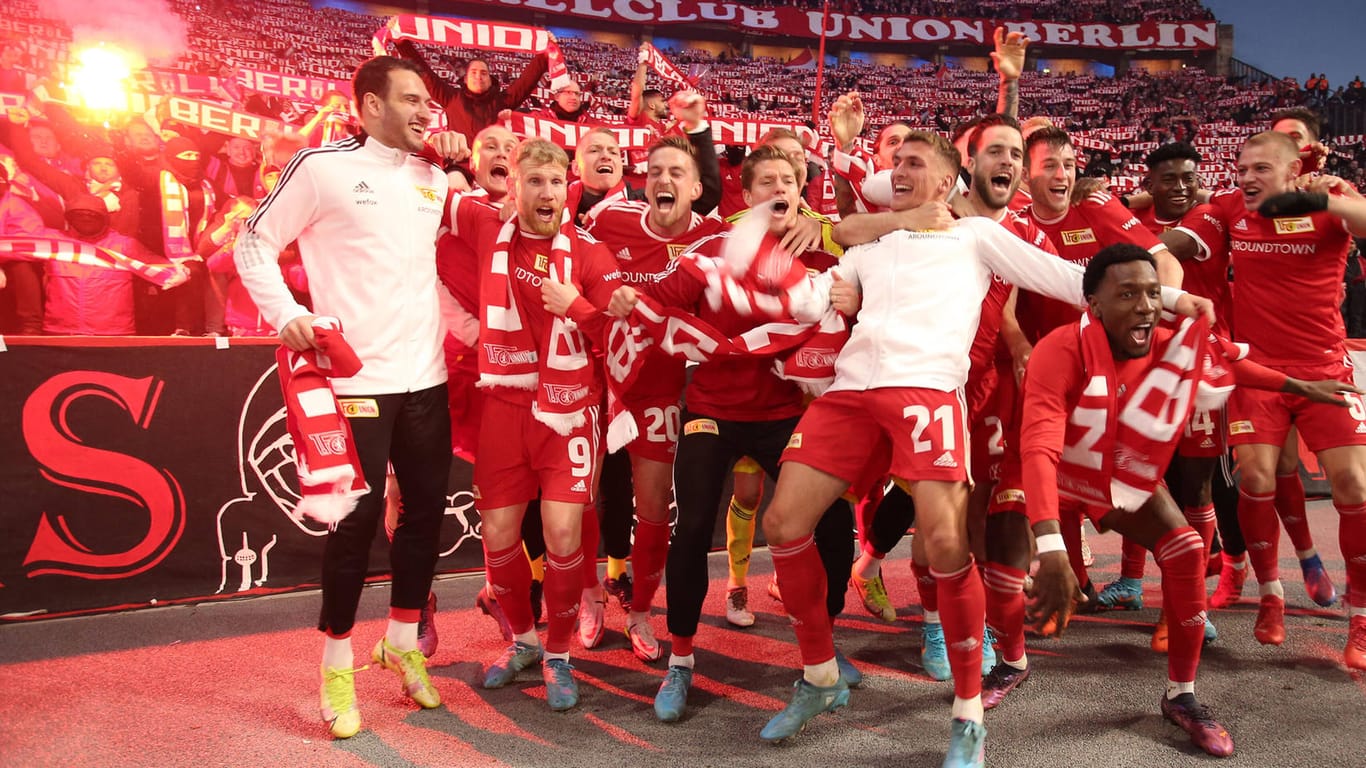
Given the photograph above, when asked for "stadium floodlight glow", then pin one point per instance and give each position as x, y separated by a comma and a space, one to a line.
99, 81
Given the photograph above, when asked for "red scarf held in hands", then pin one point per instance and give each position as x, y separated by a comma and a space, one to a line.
330, 475
470, 33
1118, 444
556, 366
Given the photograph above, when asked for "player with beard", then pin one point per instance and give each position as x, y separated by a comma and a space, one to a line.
897, 395
540, 424
366, 212
1194, 235
646, 237
736, 406
1081, 441
1289, 260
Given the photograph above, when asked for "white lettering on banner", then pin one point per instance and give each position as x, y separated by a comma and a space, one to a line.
1170, 35
218, 119
290, 86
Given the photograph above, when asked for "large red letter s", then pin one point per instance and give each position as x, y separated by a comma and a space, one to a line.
67, 460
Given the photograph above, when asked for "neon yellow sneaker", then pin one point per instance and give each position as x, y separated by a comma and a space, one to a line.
874, 595
339, 702
411, 667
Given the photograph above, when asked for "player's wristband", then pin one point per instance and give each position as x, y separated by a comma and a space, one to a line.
1170, 296
1050, 542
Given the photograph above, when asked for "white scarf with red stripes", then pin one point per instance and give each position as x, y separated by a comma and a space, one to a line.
177, 234
90, 255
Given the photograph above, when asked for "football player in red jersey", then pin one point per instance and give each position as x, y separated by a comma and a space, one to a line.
1289, 261
736, 406
1196, 236
645, 237
1117, 386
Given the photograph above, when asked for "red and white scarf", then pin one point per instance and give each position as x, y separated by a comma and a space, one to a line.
855, 167
469, 33
1118, 444
666, 69
557, 366
177, 235
330, 475
90, 255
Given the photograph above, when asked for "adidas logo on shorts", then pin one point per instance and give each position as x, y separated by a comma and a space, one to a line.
1361, 428
579, 487
946, 460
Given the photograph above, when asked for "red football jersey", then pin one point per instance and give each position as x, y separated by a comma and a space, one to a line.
1086, 228
475, 222
642, 257
1288, 282
1206, 274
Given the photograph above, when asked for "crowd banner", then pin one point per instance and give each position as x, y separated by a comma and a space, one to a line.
220, 119
796, 22
472, 33
155, 471
293, 87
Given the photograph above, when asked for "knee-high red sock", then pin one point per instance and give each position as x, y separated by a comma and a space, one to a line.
926, 584
509, 573
563, 587
588, 544
1290, 507
1133, 559
1181, 556
1069, 518
1006, 608
1352, 538
1257, 518
1203, 520
801, 580
648, 555
962, 608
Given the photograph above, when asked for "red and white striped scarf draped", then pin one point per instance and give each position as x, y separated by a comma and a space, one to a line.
90, 255
557, 366
470, 33
1117, 445
176, 234
330, 475
804, 353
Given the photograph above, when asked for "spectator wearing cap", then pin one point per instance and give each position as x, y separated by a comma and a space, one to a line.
568, 105
85, 299
475, 106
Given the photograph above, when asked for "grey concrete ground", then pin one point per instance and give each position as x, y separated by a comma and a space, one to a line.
235, 684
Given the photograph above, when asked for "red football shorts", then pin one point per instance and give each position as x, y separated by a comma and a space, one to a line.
1258, 416
916, 434
657, 421
1206, 435
519, 456
991, 407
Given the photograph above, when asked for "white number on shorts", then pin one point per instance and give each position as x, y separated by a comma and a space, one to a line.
1355, 408
581, 456
996, 444
943, 414
665, 419
1200, 422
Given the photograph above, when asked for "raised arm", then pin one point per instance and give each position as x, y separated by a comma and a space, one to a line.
1009, 58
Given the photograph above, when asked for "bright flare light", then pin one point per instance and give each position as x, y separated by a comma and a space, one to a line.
99, 81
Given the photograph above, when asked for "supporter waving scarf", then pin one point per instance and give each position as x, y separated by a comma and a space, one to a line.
86, 254
469, 33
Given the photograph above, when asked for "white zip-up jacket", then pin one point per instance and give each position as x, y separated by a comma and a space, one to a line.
366, 217
922, 299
